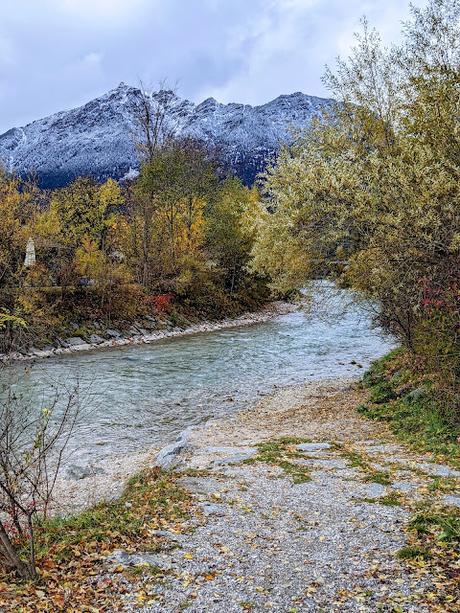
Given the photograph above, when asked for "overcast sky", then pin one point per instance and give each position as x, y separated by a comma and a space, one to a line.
57, 54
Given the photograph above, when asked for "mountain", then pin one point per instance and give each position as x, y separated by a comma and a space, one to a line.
98, 139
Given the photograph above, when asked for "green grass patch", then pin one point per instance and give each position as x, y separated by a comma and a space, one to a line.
360, 460
443, 525
148, 497
412, 552
434, 549
382, 478
284, 453
393, 499
408, 403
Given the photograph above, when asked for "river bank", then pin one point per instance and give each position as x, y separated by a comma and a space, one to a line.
137, 334
79, 487
297, 503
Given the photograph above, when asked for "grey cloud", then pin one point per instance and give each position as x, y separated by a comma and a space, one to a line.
56, 54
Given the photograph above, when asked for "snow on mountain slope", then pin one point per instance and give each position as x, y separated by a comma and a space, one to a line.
98, 139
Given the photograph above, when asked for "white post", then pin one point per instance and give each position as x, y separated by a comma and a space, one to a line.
30, 253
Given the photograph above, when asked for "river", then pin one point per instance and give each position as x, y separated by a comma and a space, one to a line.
137, 397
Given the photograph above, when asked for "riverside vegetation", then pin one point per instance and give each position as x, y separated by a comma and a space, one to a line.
372, 197
174, 244
369, 197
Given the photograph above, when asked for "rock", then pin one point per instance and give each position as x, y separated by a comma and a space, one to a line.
438, 470
38, 353
148, 323
210, 508
230, 455
168, 457
82, 472
313, 446
404, 486
135, 559
165, 534
95, 339
113, 333
74, 341
453, 501
375, 490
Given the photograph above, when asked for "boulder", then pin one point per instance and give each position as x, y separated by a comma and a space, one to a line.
74, 341
113, 333
168, 457
313, 446
95, 339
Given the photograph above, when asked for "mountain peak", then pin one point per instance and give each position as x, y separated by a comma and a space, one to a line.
97, 139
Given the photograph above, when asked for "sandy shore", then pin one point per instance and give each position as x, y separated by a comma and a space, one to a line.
272, 310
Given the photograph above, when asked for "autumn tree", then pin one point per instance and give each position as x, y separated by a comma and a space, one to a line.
371, 195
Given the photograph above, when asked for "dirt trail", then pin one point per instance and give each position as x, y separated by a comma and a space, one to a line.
311, 521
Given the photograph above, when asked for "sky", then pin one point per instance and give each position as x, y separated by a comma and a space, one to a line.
58, 54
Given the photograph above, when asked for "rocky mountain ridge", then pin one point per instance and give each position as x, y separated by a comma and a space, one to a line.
99, 138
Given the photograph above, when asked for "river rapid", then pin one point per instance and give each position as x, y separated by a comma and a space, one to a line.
135, 398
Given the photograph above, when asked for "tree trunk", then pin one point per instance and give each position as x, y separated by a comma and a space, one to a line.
25, 570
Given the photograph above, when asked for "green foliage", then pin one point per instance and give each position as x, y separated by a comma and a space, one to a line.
283, 453
70, 549
9, 320
444, 525
410, 404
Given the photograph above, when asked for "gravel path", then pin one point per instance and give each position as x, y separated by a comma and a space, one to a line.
310, 522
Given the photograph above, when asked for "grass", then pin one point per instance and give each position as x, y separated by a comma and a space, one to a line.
393, 499
148, 497
434, 550
412, 552
408, 404
443, 525
360, 460
443, 484
283, 453
71, 551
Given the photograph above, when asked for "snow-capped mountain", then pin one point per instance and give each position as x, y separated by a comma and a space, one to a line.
99, 138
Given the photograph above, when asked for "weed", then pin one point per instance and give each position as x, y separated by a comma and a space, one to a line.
393, 499
281, 453
69, 549
379, 477
443, 484
411, 552
359, 460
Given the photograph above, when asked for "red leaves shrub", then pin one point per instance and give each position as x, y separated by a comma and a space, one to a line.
160, 303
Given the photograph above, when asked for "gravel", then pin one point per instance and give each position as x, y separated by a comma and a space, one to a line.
260, 542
